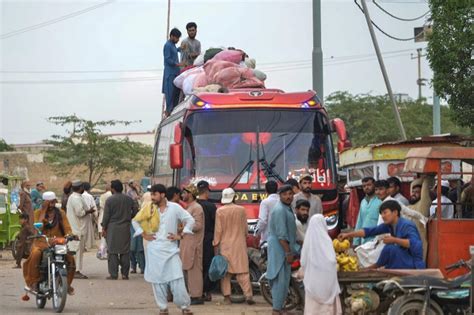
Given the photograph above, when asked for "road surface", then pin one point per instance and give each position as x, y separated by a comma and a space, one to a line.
97, 296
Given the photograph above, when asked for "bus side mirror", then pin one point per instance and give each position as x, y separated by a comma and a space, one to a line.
176, 156
343, 141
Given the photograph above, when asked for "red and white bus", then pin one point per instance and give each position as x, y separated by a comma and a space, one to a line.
243, 138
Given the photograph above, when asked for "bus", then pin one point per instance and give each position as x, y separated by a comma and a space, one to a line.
243, 138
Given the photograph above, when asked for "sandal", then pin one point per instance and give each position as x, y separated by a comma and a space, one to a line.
164, 312
187, 312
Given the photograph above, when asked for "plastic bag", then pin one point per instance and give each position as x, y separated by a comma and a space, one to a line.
102, 251
369, 252
199, 61
179, 80
188, 84
218, 268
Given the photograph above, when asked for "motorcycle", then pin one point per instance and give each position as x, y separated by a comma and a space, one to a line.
430, 295
296, 294
53, 273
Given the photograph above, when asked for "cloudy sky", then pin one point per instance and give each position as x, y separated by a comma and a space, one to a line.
103, 59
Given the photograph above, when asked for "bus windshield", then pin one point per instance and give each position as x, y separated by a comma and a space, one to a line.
245, 148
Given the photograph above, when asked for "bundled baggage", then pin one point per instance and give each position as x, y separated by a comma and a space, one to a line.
220, 69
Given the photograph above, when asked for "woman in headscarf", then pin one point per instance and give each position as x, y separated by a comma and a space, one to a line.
318, 266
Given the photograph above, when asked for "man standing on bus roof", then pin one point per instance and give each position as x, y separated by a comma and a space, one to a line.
190, 46
172, 68
305, 193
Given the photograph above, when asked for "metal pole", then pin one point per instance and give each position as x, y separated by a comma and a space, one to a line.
384, 71
436, 114
419, 73
317, 51
163, 106
471, 250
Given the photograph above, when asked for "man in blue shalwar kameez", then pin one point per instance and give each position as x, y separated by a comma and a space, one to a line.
171, 61
403, 247
282, 248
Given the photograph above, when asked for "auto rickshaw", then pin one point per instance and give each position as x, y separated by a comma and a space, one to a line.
9, 214
448, 239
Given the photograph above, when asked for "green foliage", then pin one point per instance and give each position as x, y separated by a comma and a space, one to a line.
5, 146
369, 119
87, 147
450, 51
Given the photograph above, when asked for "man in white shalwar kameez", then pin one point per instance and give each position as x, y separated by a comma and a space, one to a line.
164, 268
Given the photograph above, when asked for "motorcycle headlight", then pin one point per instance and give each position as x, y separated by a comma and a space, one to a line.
331, 221
60, 249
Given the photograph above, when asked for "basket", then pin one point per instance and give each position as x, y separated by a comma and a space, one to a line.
73, 246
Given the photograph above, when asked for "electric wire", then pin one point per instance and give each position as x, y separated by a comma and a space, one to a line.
53, 21
399, 18
385, 33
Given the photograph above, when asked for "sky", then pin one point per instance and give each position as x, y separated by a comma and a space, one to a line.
107, 62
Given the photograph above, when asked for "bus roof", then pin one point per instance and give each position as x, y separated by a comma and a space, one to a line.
245, 97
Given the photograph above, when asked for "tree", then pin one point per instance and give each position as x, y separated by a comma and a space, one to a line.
5, 146
86, 147
369, 119
450, 52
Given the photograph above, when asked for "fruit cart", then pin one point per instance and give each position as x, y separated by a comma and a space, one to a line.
9, 214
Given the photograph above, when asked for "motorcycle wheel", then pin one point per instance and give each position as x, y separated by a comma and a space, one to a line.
413, 305
40, 302
59, 297
14, 244
291, 302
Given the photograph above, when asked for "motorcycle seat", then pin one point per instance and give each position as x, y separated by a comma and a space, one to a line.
435, 283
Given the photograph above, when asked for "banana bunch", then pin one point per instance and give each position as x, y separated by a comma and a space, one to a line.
345, 262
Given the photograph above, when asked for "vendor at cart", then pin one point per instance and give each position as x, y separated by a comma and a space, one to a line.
403, 246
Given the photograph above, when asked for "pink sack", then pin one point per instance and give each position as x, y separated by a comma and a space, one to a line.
227, 77
213, 66
248, 83
234, 56
200, 81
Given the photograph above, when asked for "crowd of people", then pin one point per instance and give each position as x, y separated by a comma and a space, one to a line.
172, 235
400, 222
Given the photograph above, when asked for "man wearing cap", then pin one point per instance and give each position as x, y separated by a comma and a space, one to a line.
116, 226
447, 207
164, 268
190, 248
305, 193
282, 248
36, 195
55, 224
208, 250
76, 213
230, 241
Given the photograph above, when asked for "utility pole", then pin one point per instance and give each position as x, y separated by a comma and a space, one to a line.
436, 114
420, 81
384, 71
317, 51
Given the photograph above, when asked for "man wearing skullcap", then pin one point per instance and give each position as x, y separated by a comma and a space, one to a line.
192, 245
55, 224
